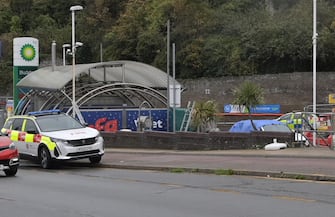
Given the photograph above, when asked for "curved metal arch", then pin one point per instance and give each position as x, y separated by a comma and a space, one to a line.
122, 86
52, 100
157, 95
104, 91
92, 87
26, 101
65, 94
22, 100
129, 92
67, 97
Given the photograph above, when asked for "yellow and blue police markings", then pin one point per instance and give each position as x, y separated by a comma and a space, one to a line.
299, 120
293, 123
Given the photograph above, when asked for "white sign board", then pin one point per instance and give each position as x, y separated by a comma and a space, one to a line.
25, 51
175, 99
229, 108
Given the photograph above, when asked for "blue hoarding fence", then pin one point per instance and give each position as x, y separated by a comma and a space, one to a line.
112, 120
259, 109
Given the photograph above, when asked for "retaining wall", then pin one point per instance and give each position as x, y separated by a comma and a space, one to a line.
293, 91
193, 141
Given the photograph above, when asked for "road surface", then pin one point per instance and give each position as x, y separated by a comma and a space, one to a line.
101, 192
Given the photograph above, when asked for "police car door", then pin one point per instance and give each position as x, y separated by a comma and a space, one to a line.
30, 138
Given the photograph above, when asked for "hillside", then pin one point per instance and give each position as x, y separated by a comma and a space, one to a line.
213, 38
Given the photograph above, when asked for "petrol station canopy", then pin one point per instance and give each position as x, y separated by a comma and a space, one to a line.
106, 84
51, 79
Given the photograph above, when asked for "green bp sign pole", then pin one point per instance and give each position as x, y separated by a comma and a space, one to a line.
25, 60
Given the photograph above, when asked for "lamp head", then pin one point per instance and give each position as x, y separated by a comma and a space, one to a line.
66, 45
76, 8
79, 44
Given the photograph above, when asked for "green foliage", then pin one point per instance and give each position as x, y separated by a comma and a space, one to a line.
5, 21
177, 170
224, 172
148, 46
213, 38
241, 5
248, 94
6, 76
203, 116
15, 25
192, 61
123, 39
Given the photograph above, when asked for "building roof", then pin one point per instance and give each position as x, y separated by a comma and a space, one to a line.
114, 71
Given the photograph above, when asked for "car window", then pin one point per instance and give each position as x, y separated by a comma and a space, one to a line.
8, 123
57, 122
285, 117
17, 124
276, 128
297, 116
31, 127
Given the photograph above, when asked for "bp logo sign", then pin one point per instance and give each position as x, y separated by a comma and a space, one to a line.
28, 52
25, 51
25, 60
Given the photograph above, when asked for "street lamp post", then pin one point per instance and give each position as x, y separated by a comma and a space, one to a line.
64, 52
315, 36
73, 9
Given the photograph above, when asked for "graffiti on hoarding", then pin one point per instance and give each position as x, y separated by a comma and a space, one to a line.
103, 120
112, 120
103, 124
158, 118
155, 124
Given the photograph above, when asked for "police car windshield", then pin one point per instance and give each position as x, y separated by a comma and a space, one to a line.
57, 122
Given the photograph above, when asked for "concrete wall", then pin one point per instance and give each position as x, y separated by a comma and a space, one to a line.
293, 91
193, 141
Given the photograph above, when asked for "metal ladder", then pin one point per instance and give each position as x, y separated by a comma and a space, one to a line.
187, 116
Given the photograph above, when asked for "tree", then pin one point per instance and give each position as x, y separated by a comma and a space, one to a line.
6, 78
122, 40
213, 38
203, 116
5, 20
249, 95
16, 26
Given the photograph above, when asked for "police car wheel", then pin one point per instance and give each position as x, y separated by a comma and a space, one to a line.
95, 159
11, 171
45, 158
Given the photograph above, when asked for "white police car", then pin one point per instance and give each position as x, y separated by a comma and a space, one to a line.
51, 136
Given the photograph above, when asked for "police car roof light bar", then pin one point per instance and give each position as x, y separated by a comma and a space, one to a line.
45, 112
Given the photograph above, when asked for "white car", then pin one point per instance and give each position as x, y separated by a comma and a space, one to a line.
51, 136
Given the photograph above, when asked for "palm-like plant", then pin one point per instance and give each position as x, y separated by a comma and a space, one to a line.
249, 95
203, 116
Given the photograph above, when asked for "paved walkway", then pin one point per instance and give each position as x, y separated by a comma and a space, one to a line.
299, 163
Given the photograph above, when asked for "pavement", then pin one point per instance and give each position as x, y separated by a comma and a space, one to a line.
306, 163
